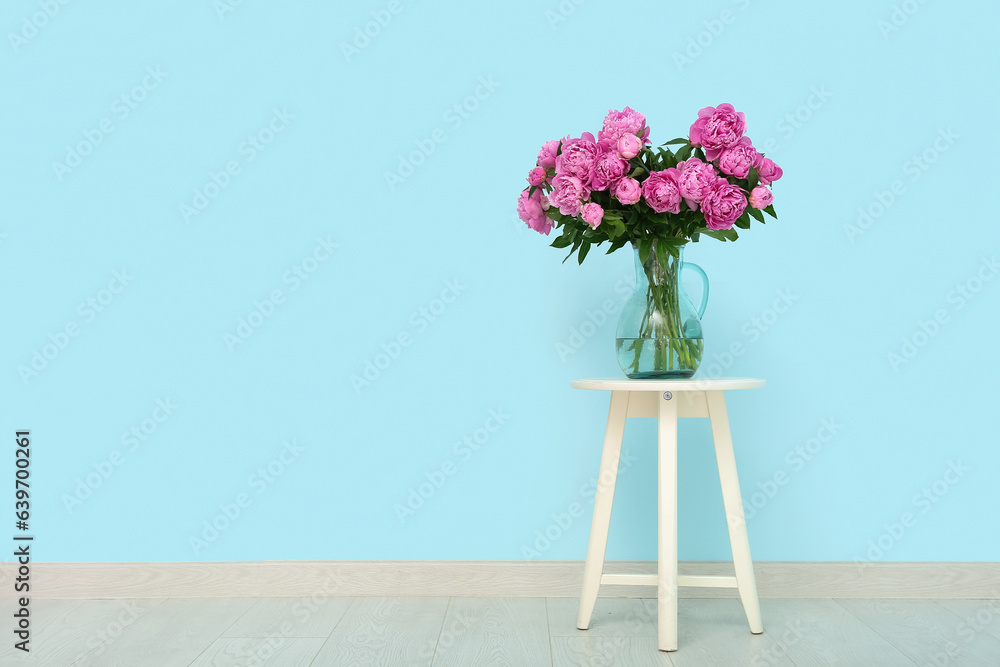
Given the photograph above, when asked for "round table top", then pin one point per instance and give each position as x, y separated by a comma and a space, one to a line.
693, 384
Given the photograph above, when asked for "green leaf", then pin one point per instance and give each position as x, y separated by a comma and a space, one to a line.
684, 153
616, 244
752, 179
584, 249
561, 242
699, 153
731, 234
644, 247
743, 222
633, 216
576, 244
770, 211
714, 233
674, 142
663, 252
757, 215
675, 240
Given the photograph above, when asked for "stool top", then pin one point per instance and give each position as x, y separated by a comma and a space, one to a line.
693, 384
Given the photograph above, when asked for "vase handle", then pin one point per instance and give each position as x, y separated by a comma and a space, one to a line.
704, 283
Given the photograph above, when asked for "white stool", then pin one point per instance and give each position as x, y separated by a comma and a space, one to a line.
667, 400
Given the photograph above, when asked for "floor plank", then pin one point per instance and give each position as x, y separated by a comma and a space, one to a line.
822, 632
977, 615
926, 632
494, 631
597, 650
512, 631
612, 617
241, 651
290, 617
172, 634
385, 631
75, 628
42, 613
715, 632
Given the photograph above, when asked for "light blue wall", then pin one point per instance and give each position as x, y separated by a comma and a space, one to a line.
879, 99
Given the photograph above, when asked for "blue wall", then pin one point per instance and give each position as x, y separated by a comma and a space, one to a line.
201, 248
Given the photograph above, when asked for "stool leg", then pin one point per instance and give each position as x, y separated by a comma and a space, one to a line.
666, 592
594, 567
733, 500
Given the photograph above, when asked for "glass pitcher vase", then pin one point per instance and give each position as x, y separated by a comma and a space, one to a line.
659, 330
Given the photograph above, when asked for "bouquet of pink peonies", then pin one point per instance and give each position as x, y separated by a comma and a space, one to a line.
618, 188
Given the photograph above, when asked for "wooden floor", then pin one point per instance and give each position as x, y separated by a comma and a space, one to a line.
520, 632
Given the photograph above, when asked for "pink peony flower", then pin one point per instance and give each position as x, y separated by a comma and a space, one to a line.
532, 211
629, 146
569, 193
768, 171
607, 170
537, 176
619, 123
577, 157
723, 204
761, 197
738, 158
628, 191
717, 128
592, 214
695, 180
547, 156
662, 192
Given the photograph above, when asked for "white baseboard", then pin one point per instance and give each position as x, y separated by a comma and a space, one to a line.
958, 580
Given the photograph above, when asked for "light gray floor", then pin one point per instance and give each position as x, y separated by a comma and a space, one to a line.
520, 632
